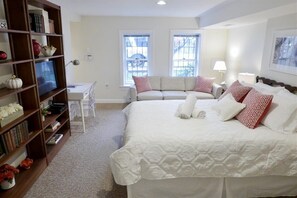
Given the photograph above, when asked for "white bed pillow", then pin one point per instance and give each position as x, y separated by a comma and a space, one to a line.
282, 114
267, 89
228, 107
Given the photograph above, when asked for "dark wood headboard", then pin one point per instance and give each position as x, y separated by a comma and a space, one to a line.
275, 83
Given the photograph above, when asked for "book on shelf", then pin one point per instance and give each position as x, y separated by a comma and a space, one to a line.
53, 126
36, 22
42, 19
55, 139
14, 137
2, 148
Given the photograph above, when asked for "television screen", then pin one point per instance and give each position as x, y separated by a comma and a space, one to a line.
46, 77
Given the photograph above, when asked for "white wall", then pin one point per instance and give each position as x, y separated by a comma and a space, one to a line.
67, 17
100, 36
280, 23
244, 50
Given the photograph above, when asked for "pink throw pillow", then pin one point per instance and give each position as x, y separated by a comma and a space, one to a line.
257, 106
237, 90
203, 84
142, 83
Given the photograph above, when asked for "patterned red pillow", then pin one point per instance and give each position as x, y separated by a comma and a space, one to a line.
237, 90
257, 106
203, 84
142, 84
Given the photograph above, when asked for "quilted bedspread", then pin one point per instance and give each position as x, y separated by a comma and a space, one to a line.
159, 145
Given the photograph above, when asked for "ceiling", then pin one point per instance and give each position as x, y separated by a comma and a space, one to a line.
245, 11
173, 8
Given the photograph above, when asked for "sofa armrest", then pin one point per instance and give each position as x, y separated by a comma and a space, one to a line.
217, 90
133, 93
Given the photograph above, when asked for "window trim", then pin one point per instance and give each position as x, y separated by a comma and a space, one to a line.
122, 33
185, 32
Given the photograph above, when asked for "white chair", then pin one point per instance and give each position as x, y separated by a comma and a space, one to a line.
89, 105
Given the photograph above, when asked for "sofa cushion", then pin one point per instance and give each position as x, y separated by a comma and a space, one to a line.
204, 84
201, 95
172, 95
155, 82
190, 83
142, 83
172, 84
150, 95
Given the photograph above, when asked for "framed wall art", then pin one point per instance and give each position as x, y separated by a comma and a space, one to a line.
284, 51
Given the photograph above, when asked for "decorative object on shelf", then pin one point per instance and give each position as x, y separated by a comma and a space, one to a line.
74, 62
44, 113
51, 26
36, 48
55, 139
14, 82
48, 50
7, 173
9, 113
221, 67
3, 55
26, 163
3, 24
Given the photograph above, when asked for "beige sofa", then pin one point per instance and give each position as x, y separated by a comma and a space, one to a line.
172, 88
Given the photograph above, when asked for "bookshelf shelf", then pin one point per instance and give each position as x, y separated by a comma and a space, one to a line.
51, 118
12, 62
41, 58
26, 178
46, 34
27, 114
49, 135
14, 31
32, 135
53, 149
52, 94
4, 92
26, 136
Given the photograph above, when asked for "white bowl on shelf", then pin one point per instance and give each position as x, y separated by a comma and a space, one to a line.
48, 50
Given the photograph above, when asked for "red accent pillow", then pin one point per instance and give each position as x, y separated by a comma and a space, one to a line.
237, 90
142, 83
257, 106
204, 84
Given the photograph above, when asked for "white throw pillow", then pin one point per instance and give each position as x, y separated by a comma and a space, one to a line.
228, 107
280, 112
267, 89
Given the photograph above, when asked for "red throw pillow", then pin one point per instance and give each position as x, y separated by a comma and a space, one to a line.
237, 90
203, 84
257, 106
142, 84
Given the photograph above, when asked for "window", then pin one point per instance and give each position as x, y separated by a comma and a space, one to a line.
135, 56
185, 54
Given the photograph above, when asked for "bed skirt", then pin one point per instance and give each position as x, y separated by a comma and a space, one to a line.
269, 186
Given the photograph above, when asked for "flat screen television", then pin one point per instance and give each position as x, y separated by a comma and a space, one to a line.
46, 76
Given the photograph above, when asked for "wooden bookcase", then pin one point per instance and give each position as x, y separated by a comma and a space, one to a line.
22, 63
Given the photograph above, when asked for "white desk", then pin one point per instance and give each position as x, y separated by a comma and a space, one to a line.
79, 92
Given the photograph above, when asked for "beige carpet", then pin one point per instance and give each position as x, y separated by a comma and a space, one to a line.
81, 168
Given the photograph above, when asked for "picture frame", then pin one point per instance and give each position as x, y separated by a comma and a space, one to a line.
284, 51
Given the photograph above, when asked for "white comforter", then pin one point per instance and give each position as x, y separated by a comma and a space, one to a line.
159, 145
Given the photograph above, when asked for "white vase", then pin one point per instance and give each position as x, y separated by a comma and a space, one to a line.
5, 185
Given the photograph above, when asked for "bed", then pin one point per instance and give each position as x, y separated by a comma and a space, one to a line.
165, 156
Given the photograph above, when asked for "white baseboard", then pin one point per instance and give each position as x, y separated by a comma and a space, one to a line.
111, 101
